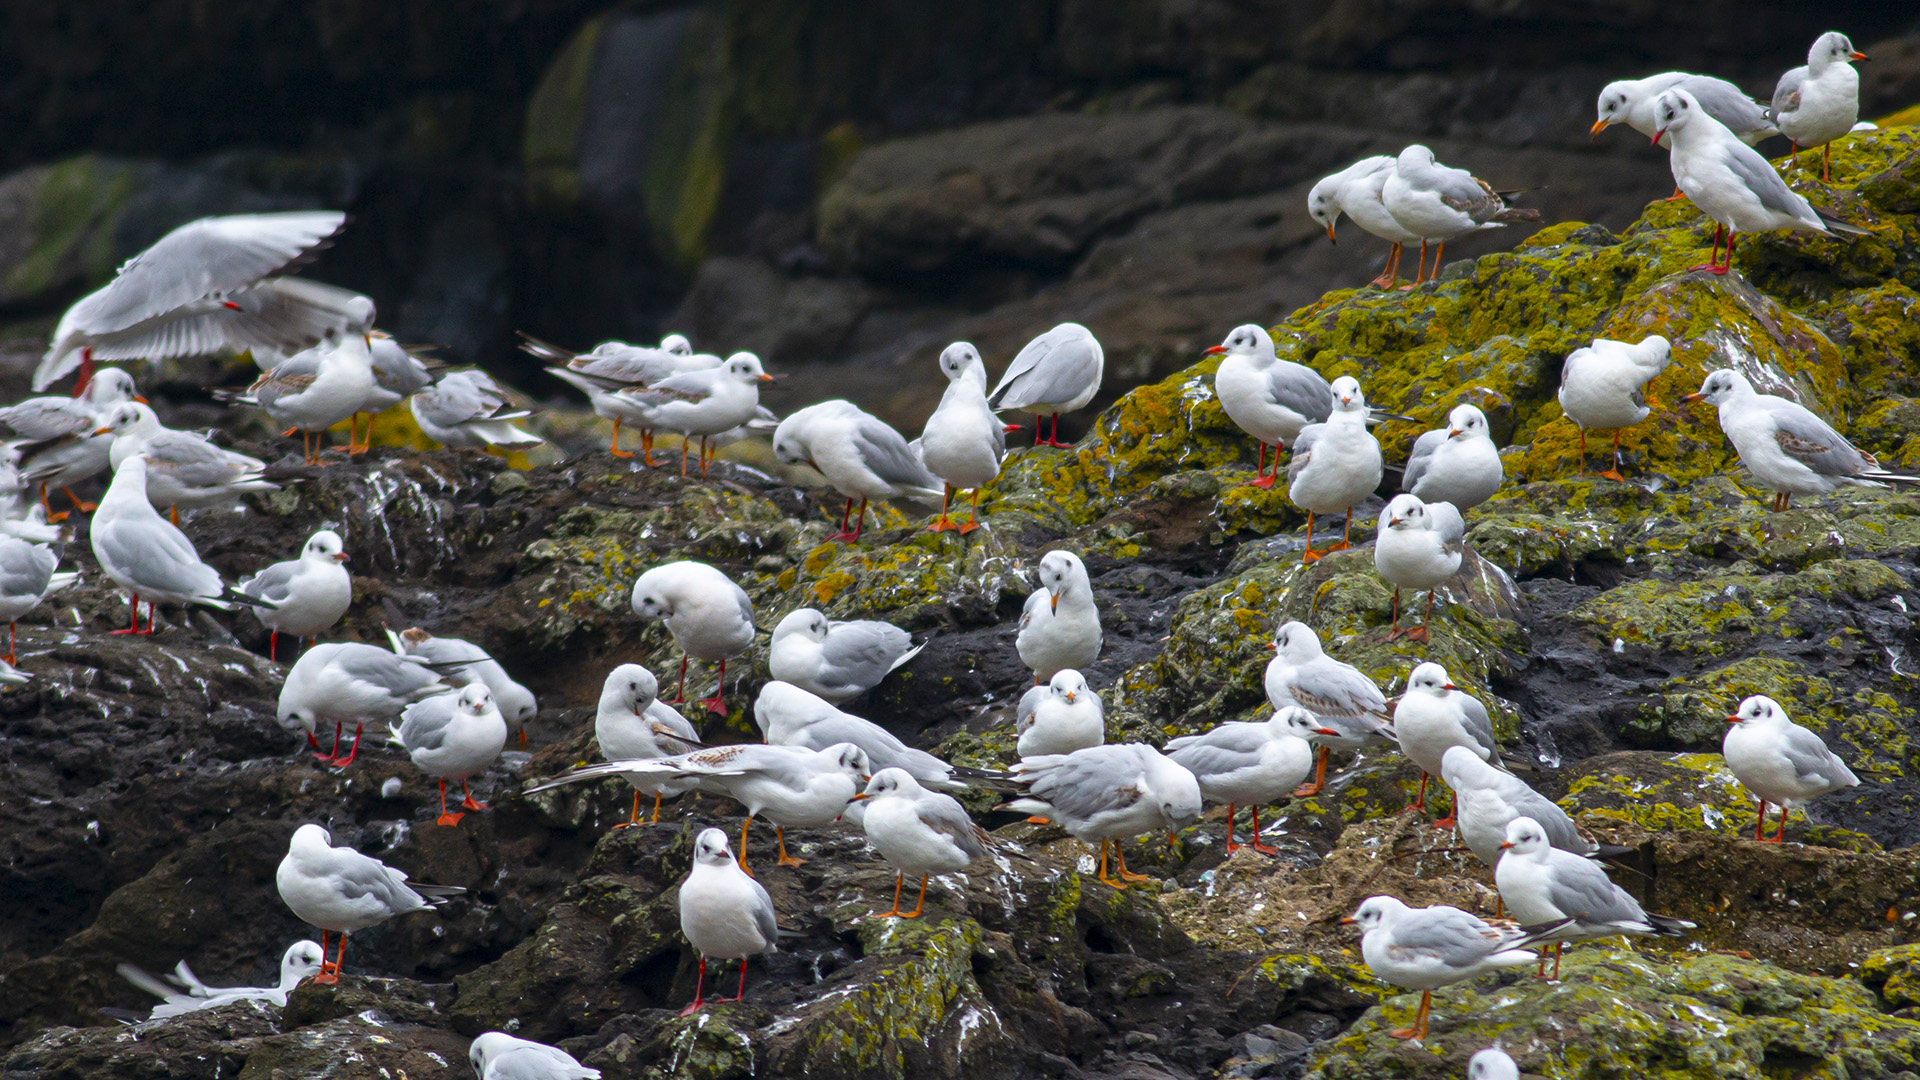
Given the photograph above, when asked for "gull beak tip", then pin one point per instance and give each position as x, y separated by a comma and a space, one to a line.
1216, 350
1505, 844
1600, 125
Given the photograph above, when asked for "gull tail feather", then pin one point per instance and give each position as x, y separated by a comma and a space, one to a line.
1835, 224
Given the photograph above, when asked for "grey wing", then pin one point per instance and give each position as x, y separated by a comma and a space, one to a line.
424, 724
449, 650
535, 1062
1446, 934
271, 583
663, 715
358, 875
1807, 439
1479, 724
1300, 388
1338, 690
1786, 93
1029, 701
1303, 450
1052, 367
885, 451
1421, 457
448, 405
1759, 177
1561, 831
158, 555
45, 418
1211, 757
1580, 888
1449, 524
289, 376
196, 462
288, 314
1458, 189
200, 258
861, 653
1810, 758
1085, 783
25, 569
944, 815
1728, 104
397, 675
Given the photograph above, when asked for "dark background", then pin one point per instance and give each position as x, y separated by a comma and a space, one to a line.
843, 186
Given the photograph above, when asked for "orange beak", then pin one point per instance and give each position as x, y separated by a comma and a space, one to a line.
1733, 719
1863, 57
140, 399
766, 378
1330, 238
1056, 602
1449, 686
859, 797
1217, 350
1691, 397
1324, 731
1348, 920
1393, 523
103, 431
1271, 647
1505, 844
1453, 431
1600, 125
342, 557
1344, 400
1069, 697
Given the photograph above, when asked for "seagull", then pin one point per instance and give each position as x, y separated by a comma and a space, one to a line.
340, 890
1335, 465
1542, 885
61, 442
496, 1055
468, 410
963, 440
1730, 182
1630, 102
1438, 203
397, 375
788, 785
462, 662
860, 456
1492, 1064
918, 832
790, 716
1052, 639
633, 724
183, 468
1107, 793
1060, 717
309, 594
1418, 546
183, 992
1433, 715
1271, 399
342, 681
452, 736
705, 402
148, 556
205, 288
1784, 445
1603, 387
724, 913
1244, 764
1816, 104
838, 661
1455, 464
27, 576
1486, 799
316, 389
1427, 948
1340, 697
1057, 372
613, 366
709, 617
1354, 188
1779, 761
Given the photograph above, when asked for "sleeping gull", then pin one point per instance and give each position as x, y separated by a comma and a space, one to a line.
1779, 761
963, 440
496, 1055
1417, 546
1457, 463
709, 617
703, 403
1438, 203
205, 288
1335, 465
453, 736
1427, 948
1730, 182
1104, 794
183, 468
148, 556
340, 890
725, 914
1060, 625
859, 454
1355, 191
468, 410
1060, 717
351, 681
633, 724
1630, 102
61, 443
1541, 884
462, 661
1486, 799
1057, 372
837, 660
1249, 764
1492, 1064
1269, 398
183, 992
1820, 101
1784, 445
1434, 715
309, 594
917, 832
27, 576
1341, 698
790, 716
1603, 387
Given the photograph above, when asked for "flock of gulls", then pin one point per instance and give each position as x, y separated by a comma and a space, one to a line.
220, 285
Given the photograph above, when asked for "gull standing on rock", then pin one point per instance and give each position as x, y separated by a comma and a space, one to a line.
1060, 717
453, 736
183, 468
837, 661
61, 441
317, 389
1427, 948
1486, 800
1457, 463
790, 716
496, 1055
309, 594
859, 454
397, 376
340, 890
1784, 445
1340, 696
1438, 203
1355, 191
1730, 182
703, 403
614, 366
27, 576
1820, 101
1335, 465
1418, 545
1434, 715
1541, 884
709, 617
462, 661
349, 680
1057, 372
1107, 793
467, 410
725, 914
633, 724
1630, 102
1052, 639
148, 556
918, 832
1779, 761
1243, 764
1271, 399
1603, 387
184, 992
963, 440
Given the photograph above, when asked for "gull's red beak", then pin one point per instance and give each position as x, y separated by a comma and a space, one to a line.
1691, 397
1325, 731
767, 378
1657, 134
1345, 400
1859, 56
1452, 431
1069, 697
1348, 920
1217, 350
140, 399
103, 431
1733, 719
1505, 844
1600, 125
342, 557
1271, 647
1393, 522
1449, 686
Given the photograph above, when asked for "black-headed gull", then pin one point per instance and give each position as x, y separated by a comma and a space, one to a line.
316, 389
1335, 465
351, 681
453, 736
496, 1055
1427, 948
725, 914
1457, 463
1492, 1064
1418, 546
613, 366
468, 410
184, 468
461, 661
1541, 884
1630, 102
1104, 794
1060, 625
703, 403
1784, 445
149, 556
1603, 387
1486, 800
633, 724
1340, 697
1057, 372
397, 375
182, 992
1249, 764
338, 889
1060, 717
27, 576
836, 660
859, 454
709, 617
917, 832
790, 716
309, 594
1271, 399
61, 443
1819, 101
1355, 191
1434, 715
963, 440
1438, 203
1779, 761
